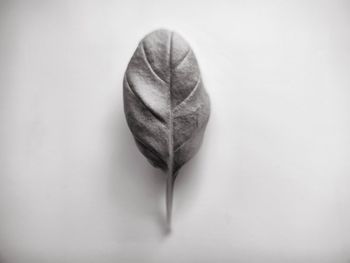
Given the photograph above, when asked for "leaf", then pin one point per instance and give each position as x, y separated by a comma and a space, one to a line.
165, 103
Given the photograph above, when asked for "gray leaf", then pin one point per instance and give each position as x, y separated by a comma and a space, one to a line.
165, 103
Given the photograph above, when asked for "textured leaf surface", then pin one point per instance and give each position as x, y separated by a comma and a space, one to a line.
166, 105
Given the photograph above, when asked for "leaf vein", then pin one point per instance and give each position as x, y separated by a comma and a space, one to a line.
136, 95
200, 129
150, 148
149, 64
184, 143
189, 95
183, 58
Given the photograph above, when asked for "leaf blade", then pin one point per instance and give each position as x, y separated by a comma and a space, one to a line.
165, 103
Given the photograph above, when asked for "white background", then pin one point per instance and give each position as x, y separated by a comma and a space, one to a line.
271, 182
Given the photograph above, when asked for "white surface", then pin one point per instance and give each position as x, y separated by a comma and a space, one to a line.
271, 183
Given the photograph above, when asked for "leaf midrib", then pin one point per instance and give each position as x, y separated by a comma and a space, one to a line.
171, 128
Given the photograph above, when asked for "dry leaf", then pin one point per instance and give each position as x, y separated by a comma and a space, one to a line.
165, 103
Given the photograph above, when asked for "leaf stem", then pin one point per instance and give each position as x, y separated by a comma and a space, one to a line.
169, 199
